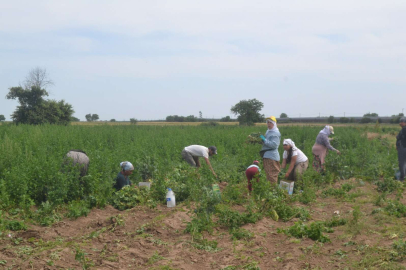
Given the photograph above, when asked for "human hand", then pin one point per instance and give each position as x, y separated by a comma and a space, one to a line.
262, 137
338, 152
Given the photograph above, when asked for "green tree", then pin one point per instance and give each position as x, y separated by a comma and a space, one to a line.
74, 119
91, 117
88, 117
248, 111
226, 119
365, 120
95, 117
133, 121
330, 119
344, 120
113, 120
2, 118
371, 115
190, 118
35, 110
283, 115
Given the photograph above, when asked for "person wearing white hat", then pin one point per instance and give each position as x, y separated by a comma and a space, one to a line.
296, 158
321, 146
122, 179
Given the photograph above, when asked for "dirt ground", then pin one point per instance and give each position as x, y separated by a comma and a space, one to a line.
142, 238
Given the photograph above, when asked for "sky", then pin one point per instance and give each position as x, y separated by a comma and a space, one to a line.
150, 59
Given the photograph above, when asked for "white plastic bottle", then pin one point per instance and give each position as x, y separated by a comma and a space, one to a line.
170, 198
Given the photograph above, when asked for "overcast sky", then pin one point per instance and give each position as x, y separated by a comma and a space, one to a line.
150, 59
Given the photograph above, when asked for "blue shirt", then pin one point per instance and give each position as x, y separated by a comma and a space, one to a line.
271, 143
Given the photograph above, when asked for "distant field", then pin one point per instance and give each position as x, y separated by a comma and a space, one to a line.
222, 123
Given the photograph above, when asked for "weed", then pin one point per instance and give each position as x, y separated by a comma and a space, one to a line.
80, 256
240, 233
155, 258
395, 208
300, 230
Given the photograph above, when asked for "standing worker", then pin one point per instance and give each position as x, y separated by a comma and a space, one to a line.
192, 153
122, 178
297, 159
252, 172
321, 146
269, 151
401, 147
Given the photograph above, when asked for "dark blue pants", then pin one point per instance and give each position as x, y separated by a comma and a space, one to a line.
402, 161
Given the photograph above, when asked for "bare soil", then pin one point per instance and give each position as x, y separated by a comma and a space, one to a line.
143, 238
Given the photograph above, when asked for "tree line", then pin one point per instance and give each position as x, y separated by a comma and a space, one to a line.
35, 109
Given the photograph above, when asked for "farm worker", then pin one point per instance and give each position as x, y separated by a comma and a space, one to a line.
401, 147
321, 146
78, 158
192, 153
269, 151
122, 177
251, 172
297, 160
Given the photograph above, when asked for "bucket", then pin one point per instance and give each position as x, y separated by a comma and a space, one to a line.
144, 184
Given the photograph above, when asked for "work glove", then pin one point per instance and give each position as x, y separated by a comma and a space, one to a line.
262, 137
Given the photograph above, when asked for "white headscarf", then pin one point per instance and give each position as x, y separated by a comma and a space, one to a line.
291, 143
126, 166
275, 127
326, 130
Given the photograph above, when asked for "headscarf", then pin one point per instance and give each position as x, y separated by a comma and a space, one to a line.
275, 127
126, 166
291, 143
327, 130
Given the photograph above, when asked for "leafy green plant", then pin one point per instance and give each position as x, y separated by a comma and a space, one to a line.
131, 196
395, 208
77, 209
314, 231
240, 233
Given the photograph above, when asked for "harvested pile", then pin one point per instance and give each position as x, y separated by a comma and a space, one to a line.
254, 138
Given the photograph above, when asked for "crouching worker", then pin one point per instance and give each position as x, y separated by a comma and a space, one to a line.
192, 153
79, 159
297, 160
122, 178
252, 172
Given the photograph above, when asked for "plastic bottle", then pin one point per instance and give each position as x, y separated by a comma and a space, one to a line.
170, 198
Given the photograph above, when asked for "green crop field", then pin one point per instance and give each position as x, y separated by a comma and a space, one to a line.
266, 229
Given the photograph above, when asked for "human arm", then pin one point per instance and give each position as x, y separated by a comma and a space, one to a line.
291, 166
209, 164
283, 163
324, 140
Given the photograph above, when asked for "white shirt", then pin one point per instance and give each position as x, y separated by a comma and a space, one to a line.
253, 165
300, 156
198, 151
